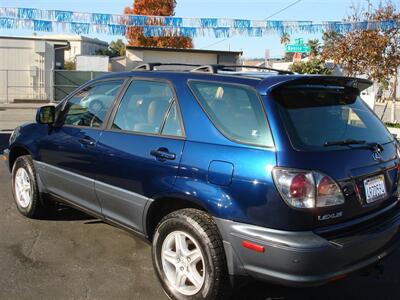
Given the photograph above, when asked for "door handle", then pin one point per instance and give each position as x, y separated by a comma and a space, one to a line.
87, 141
163, 154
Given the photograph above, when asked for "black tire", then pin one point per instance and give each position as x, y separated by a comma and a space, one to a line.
35, 207
203, 229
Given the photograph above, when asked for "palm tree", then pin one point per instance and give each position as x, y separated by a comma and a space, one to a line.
285, 38
315, 47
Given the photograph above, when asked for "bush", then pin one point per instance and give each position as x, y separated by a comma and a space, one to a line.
70, 65
313, 66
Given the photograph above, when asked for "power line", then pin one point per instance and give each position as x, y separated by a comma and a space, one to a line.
283, 9
274, 14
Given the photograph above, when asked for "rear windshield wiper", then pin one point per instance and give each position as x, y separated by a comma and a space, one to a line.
350, 142
344, 143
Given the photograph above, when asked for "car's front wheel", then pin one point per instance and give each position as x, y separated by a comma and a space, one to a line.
25, 188
188, 256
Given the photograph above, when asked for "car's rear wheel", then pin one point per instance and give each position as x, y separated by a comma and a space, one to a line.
25, 189
188, 256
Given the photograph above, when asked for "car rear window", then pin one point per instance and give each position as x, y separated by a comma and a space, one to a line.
314, 116
235, 110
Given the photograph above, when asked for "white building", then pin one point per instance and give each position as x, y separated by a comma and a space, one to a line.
79, 45
27, 64
139, 55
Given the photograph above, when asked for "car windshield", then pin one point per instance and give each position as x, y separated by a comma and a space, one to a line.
317, 117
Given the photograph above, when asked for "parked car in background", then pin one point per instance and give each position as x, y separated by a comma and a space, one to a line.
286, 178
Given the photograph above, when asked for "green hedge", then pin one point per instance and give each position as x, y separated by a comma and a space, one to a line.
395, 125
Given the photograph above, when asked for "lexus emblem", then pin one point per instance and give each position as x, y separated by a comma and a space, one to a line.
377, 155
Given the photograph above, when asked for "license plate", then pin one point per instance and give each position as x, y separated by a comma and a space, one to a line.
374, 188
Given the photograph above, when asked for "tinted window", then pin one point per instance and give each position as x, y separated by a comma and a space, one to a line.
144, 107
89, 106
173, 124
314, 116
235, 110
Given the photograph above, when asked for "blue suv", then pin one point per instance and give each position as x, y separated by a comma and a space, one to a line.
286, 178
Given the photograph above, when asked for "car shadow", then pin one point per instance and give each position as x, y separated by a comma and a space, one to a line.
4, 137
364, 284
65, 213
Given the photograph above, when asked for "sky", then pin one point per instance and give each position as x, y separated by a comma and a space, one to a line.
253, 47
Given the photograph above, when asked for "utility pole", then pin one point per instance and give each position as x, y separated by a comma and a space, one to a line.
393, 112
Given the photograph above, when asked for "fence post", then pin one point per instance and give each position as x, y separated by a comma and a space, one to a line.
7, 86
51, 85
91, 75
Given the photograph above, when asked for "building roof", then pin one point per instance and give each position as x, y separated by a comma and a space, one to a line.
184, 50
75, 37
57, 38
30, 38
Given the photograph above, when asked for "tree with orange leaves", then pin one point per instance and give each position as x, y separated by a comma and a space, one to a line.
135, 35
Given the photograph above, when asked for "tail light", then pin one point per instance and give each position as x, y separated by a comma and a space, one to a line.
307, 189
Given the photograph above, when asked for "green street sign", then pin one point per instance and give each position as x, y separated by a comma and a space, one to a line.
297, 48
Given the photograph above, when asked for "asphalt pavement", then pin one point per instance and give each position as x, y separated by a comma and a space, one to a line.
70, 255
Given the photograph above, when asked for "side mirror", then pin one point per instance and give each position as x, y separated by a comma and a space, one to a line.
46, 115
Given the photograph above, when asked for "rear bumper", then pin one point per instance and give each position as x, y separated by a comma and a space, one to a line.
304, 258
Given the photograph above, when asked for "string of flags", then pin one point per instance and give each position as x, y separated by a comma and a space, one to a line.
82, 23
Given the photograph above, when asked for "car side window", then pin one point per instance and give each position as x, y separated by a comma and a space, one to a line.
173, 124
89, 106
145, 107
235, 110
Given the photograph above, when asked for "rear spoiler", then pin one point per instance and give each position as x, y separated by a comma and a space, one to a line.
272, 83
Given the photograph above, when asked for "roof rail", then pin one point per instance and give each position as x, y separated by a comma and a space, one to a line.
150, 66
215, 68
209, 68
206, 69
280, 72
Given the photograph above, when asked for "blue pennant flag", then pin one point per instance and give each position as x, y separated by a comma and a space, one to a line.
275, 25
173, 21
7, 23
255, 31
80, 28
116, 29
63, 16
344, 27
188, 31
137, 20
387, 25
101, 19
241, 23
26, 13
149, 31
40, 25
221, 32
208, 22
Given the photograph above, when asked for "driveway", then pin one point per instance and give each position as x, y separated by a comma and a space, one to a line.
70, 255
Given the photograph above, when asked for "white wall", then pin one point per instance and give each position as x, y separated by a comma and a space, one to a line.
137, 57
25, 72
92, 63
82, 47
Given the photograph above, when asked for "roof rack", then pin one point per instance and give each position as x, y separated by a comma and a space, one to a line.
214, 68
206, 69
150, 66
